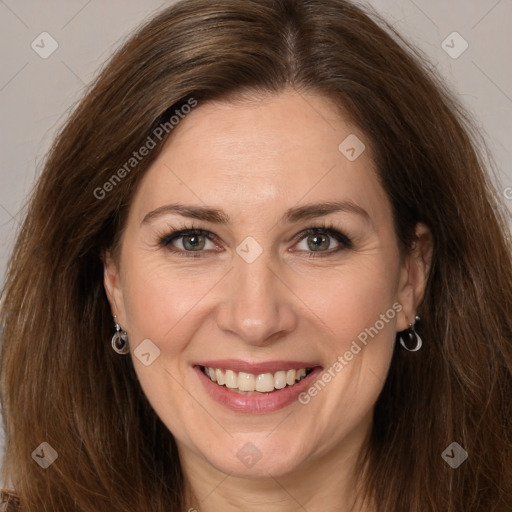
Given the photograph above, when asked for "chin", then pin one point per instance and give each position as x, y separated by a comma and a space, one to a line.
249, 458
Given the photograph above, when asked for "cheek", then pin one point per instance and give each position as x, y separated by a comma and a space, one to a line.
350, 299
162, 304
160, 300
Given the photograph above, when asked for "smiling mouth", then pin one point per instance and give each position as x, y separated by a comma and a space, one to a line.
252, 384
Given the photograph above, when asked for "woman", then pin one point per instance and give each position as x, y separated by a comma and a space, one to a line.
173, 338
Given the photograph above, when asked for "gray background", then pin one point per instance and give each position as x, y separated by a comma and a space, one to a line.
36, 94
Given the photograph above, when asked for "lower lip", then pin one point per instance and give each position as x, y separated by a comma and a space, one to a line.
264, 403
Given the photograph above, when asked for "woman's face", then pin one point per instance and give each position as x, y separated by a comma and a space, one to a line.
260, 300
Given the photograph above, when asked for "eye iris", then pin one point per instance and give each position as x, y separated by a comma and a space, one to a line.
194, 242
319, 242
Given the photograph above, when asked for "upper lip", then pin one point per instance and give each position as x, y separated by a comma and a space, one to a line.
238, 365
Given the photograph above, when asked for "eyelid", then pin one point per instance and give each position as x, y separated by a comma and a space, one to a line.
177, 233
328, 230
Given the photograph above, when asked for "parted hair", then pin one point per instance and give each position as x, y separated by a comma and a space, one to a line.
63, 384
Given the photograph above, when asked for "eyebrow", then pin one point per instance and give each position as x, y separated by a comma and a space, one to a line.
218, 216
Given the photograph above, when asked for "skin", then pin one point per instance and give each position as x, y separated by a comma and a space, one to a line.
255, 159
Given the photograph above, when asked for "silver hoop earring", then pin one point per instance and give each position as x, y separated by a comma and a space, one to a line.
411, 337
120, 340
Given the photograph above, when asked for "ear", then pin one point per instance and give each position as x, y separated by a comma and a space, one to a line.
414, 276
112, 284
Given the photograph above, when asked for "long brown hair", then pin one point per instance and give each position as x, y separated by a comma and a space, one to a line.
61, 381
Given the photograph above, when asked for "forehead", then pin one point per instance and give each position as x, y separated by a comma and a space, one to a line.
262, 157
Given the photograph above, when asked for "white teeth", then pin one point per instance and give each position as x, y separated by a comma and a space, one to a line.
231, 379
246, 382
263, 382
280, 380
219, 376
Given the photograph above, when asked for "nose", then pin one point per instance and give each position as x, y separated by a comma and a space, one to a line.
258, 306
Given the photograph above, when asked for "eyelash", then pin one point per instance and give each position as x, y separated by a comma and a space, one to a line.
325, 229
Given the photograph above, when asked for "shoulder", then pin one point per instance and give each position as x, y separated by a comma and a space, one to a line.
8, 501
